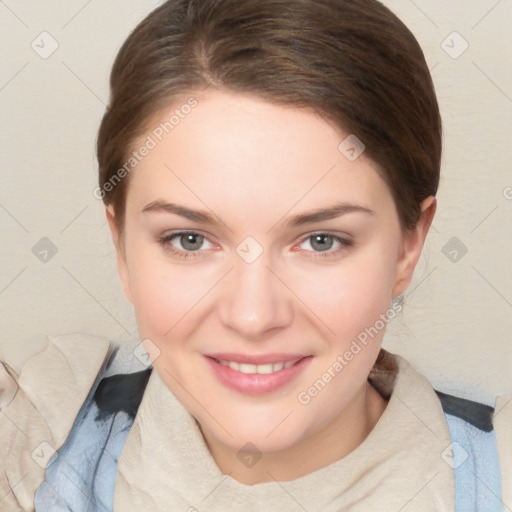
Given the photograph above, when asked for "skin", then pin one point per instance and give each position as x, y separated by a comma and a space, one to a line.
253, 165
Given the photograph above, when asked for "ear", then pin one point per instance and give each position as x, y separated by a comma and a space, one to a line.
117, 238
412, 244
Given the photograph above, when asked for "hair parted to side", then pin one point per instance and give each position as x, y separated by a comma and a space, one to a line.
351, 61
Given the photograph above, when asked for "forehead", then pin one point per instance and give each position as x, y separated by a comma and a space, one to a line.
251, 155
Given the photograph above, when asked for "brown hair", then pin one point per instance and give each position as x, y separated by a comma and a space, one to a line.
351, 61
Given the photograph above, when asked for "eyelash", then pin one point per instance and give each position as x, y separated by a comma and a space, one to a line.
165, 243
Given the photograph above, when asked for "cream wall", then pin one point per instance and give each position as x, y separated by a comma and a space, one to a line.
457, 319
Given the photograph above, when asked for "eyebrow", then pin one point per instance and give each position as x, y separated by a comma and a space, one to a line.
204, 217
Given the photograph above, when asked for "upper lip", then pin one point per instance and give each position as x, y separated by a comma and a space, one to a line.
256, 359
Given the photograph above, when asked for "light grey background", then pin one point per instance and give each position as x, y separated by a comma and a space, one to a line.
458, 312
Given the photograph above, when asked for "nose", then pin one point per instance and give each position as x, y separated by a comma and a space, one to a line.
254, 300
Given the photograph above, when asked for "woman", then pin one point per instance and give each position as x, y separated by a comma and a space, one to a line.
269, 171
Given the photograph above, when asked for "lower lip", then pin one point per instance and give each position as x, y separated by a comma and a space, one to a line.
256, 383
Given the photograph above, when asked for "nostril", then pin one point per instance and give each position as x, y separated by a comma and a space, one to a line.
8, 387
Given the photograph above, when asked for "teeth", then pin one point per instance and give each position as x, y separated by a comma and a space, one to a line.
257, 368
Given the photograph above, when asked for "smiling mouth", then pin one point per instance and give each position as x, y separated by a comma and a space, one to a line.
261, 369
257, 374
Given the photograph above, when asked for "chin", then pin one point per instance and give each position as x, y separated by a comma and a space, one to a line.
265, 437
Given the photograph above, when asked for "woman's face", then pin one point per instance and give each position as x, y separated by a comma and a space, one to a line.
259, 276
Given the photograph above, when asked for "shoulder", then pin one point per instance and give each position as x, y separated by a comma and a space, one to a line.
390, 369
503, 429
57, 380
473, 454
88, 457
476, 454
41, 407
475, 413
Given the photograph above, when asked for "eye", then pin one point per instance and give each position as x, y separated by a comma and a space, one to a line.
188, 244
190, 241
322, 244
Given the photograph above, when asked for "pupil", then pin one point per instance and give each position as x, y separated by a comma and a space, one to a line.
189, 242
322, 246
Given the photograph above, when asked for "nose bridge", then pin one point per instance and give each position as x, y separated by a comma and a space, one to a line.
254, 301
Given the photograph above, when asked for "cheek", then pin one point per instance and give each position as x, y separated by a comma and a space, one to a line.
352, 295
349, 300
164, 293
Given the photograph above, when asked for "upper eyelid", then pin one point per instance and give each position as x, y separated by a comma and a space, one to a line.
176, 234
329, 233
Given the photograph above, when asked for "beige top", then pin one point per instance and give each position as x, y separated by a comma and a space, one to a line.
165, 464
52, 387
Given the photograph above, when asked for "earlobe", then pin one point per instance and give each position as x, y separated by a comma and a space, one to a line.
122, 266
112, 223
412, 245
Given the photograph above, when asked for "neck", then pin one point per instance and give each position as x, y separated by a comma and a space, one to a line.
333, 442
